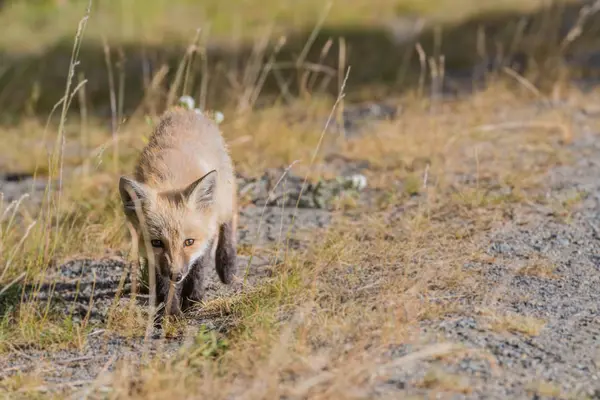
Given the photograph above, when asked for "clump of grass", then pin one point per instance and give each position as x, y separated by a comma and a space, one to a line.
28, 326
23, 383
511, 322
440, 380
412, 185
12, 240
545, 389
539, 268
34, 323
128, 320
207, 345
564, 207
257, 310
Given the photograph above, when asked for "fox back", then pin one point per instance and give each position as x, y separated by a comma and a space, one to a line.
186, 188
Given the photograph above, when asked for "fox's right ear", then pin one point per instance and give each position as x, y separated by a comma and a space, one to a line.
128, 188
201, 192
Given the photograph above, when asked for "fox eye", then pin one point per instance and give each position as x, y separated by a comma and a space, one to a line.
157, 243
188, 242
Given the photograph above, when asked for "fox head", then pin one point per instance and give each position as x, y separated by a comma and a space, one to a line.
179, 224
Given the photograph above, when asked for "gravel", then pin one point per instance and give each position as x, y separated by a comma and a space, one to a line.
565, 356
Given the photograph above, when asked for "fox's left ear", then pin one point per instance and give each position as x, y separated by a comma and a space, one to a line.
201, 193
129, 187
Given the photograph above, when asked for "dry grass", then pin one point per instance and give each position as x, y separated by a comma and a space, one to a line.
128, 321
30, 327
515, 323
545, 389
441, 381
17, 383
540, 268
323, 325
331, 309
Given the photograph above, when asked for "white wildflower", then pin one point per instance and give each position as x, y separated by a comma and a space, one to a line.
187, 101
358, 181
219, 117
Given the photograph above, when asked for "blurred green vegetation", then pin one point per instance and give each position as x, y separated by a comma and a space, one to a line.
34, 25
247, 53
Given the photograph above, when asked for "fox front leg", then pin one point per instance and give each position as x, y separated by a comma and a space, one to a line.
169, 295
226, 253
193, 285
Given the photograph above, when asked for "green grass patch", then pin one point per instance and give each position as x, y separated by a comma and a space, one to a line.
35, 325
35, 25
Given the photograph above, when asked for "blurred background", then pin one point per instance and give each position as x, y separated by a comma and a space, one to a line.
274, 68
120, 63
249, 53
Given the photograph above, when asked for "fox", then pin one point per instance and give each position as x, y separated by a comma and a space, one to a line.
185, 187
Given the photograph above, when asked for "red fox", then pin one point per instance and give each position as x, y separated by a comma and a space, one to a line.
185, 184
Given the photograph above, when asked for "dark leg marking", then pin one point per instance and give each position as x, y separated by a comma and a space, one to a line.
226, 254
193, 285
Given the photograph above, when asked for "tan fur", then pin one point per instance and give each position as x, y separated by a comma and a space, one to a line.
184, 147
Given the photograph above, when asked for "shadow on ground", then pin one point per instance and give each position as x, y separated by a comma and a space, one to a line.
383, 62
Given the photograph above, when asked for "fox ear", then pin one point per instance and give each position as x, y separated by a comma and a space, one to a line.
201, 192
129, 187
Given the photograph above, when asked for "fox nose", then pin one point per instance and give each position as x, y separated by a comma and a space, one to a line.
178, 277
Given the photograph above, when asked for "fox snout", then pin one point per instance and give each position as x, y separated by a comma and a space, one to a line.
180, 276
177, 275
172, 271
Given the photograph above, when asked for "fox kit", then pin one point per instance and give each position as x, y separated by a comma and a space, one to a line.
185, 185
